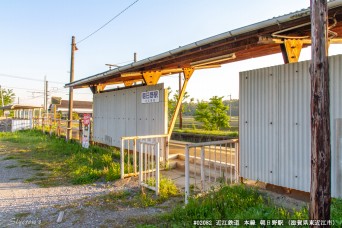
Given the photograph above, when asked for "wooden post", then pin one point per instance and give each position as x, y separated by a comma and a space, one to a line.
320, 190
80, 130
71, 92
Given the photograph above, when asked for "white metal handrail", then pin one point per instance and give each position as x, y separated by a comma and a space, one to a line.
129, 148
149, 165
212, 163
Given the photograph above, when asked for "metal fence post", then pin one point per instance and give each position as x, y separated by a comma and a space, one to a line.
237, 162
187, 174
122, 159
157, 168
141, 164
135, 156
202, 168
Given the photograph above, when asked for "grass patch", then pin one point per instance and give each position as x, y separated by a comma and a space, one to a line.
235, 203
10, 166
9, 158
61, 162
139, 198
336, 211
22, 215
230, 134
242, 203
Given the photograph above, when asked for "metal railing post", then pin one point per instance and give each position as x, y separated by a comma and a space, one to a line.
157, 168
135, 156
122, 158
237, 163
187, 174
141, 164
202, 168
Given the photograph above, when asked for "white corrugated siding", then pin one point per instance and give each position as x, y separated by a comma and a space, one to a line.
335, 64
275, 131
121, 113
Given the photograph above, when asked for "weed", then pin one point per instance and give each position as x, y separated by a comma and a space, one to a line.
62, 162
336, 211
231, 202
22, 215
231, 134
9, 158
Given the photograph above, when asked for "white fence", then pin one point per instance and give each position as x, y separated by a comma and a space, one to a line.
12, 125
152, 149
210, 164
149, 165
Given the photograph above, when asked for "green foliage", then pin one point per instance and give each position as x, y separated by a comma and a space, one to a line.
64, 162
213, 114
75, 116
336, 211
8, 96
231, 202
231, 134
147, 198
167, 187
172, 102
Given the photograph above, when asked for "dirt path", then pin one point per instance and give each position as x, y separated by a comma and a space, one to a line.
23, 203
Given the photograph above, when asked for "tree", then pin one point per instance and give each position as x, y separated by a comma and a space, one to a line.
213, 114
172, 102
8, 97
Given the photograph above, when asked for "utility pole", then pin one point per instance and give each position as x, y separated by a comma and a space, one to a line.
135, 56
2, 97
46, 96
71, 92
230, 107
180, 109
44, 93
320, 190
2, 100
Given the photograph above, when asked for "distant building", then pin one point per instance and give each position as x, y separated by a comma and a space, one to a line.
80, 107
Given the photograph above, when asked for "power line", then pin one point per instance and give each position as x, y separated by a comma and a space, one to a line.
27, 78
107, 22
10, 87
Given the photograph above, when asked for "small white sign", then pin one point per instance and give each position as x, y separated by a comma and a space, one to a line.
150, 97
85, 136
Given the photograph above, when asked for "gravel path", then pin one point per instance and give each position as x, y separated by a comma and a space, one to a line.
25, 204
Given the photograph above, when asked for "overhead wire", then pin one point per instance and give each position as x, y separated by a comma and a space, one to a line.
116, 16
27, 78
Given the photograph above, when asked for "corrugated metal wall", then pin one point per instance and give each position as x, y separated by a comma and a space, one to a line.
121, 113
275, 125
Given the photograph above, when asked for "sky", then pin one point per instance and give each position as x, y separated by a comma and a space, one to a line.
36, 35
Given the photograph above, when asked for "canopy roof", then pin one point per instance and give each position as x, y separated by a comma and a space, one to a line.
18, 107
256, 40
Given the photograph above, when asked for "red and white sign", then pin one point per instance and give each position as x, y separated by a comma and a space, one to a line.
86, 119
